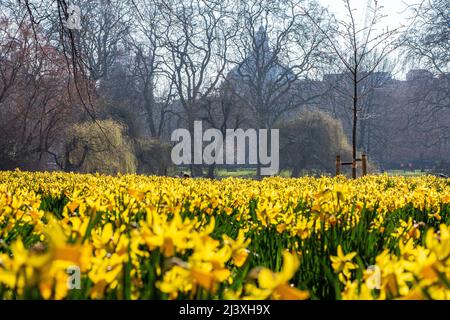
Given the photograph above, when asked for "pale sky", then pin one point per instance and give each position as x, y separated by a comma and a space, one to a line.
396, 12
393, 9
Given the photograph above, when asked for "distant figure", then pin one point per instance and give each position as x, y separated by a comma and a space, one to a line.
183, 175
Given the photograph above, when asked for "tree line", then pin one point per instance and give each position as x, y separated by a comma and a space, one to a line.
106, 97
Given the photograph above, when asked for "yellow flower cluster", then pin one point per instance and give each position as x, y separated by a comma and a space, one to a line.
138, 237
418, 272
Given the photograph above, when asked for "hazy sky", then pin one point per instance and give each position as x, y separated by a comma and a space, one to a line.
396, 12
394, 9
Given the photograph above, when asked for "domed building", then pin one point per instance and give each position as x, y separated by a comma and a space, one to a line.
260, 63
261, 84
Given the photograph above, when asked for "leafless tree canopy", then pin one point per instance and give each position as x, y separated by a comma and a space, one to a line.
147, 67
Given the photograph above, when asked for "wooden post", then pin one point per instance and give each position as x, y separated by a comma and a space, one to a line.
364, 164
338, 165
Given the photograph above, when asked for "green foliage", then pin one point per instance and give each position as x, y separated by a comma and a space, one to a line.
311, 141
99, 146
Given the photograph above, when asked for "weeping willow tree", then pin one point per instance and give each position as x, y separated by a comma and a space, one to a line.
311, 141
100, 146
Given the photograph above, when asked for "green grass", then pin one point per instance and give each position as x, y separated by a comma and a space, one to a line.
250, 173
407, 173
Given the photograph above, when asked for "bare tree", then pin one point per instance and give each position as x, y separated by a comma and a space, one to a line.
105, 25
222, 112
34, 100
153, 83
51, 16
427, 44
196, 39
338, 88
360, 50
267, 70
427, 40
426, 104
275, 52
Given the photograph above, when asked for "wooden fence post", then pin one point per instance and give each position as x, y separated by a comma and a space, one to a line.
338, 165
364, 164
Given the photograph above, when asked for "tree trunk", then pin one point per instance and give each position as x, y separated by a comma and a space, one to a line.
262, 124
149, 107
196, 169
295, 172
211, 171
355, 120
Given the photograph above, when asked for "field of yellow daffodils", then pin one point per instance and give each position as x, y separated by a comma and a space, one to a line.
75, 236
